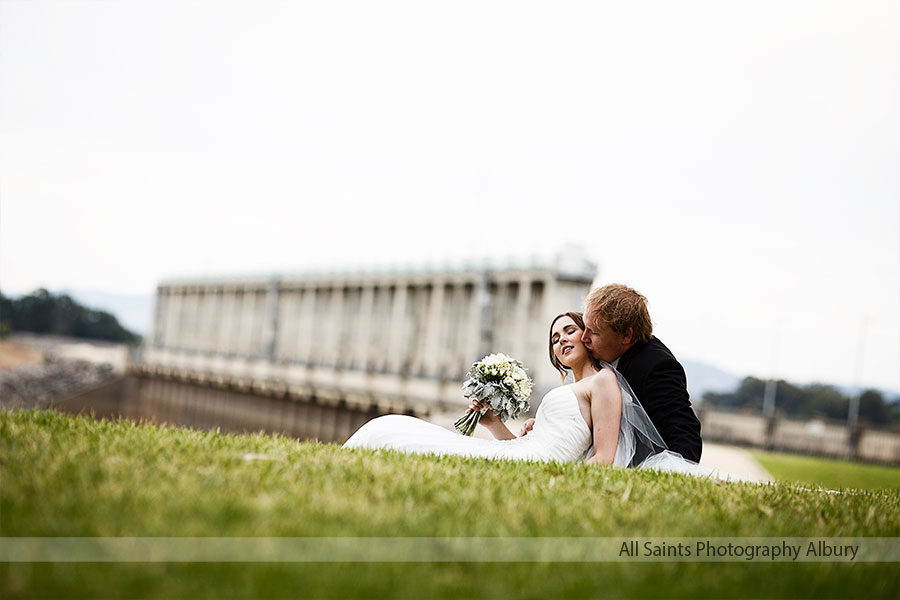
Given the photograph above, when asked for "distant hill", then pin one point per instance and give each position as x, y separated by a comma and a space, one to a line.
45, 313
704, 378
134, 311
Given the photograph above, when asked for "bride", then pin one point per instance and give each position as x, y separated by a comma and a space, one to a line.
596, 411
597, 419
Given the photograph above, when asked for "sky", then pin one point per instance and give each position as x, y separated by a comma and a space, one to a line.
737, 162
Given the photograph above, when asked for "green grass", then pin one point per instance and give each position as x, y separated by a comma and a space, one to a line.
828, 472
72, 476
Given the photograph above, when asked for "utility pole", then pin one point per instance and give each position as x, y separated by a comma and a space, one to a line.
853, 432
770, 390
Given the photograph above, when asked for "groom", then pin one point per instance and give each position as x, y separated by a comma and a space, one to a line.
618, 331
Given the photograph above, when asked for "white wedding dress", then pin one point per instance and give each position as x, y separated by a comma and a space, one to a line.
560, 433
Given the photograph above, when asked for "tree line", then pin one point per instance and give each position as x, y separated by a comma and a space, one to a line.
804, 402
44, 312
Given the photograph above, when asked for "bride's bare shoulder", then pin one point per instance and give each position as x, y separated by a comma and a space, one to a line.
601, 376
602, 379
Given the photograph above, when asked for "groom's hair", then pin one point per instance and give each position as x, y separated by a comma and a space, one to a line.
620, 308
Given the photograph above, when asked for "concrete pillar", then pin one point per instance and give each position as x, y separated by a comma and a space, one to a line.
363, 343
484, 307
307, 324
259, 329
469, 325
293, 340
181, 329
412, 343
242, 325
237, 321
347, 317
536, 339
209, 316
288, 320
448, 333
207, 319
228, 323
419, 338
428, 363
159, 317
463, 331
397, 329
173, 316
317, 325
381, 325
520, 323
252, 322
246, 321
237, 340
200, 318
185, 333
192, 317
295, 343
270, 323
332, 326
504, 334
183, 320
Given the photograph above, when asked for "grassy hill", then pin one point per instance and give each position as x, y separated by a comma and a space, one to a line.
73, 476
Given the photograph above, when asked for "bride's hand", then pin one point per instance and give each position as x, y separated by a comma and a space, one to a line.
526, 427
488, 419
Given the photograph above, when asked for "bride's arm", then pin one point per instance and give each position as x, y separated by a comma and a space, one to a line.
493, 423
500, 431
606, 413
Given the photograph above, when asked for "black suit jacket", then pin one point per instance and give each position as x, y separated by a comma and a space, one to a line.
659, 382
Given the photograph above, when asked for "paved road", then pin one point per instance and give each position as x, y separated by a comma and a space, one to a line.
734, 460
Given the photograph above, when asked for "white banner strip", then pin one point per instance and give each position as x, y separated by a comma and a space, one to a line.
448, 549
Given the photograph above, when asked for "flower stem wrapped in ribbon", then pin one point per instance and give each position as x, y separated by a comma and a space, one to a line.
498, 382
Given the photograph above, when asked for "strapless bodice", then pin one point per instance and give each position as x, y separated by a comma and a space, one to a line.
559, 424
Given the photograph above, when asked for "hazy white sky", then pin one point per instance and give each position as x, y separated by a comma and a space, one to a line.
738, 162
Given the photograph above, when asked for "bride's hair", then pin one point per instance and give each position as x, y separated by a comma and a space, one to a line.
579, 320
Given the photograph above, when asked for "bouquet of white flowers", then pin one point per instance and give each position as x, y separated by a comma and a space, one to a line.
500, 383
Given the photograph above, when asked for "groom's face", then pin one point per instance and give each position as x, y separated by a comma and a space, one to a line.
602, 342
